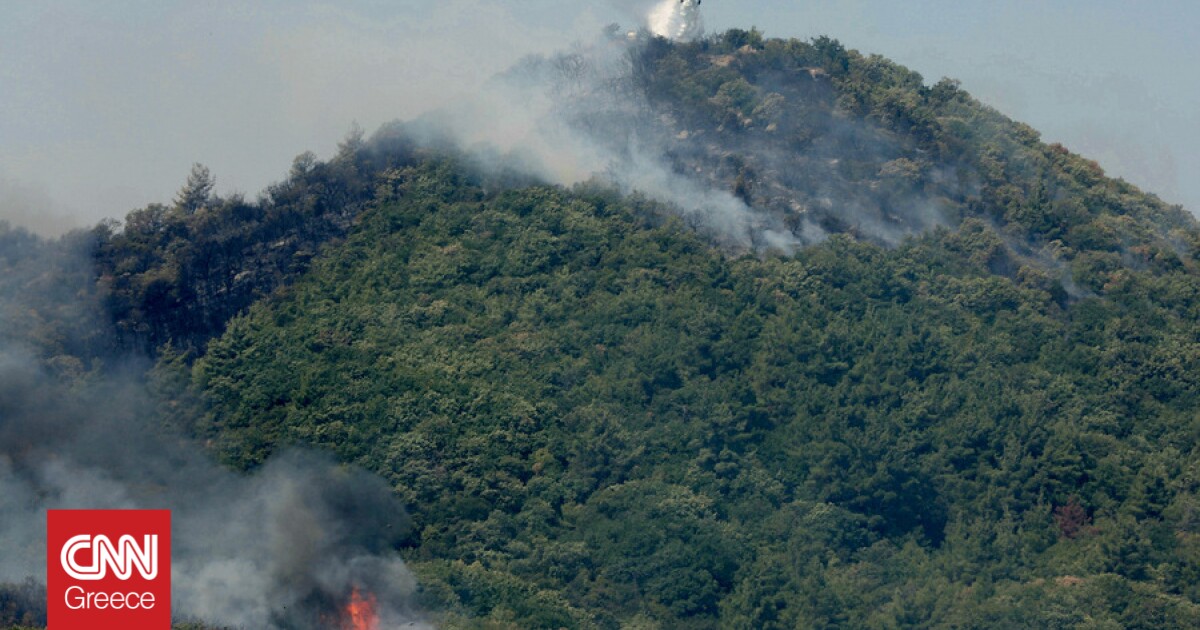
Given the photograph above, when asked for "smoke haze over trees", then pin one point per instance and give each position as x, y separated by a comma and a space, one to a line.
82, 427
1100, 79
737, 333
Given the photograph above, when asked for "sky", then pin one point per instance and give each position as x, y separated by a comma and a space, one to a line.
104, 106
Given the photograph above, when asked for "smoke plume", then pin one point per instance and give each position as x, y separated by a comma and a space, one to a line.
33, 208
775, 175
282, 548
580, 116
677, 20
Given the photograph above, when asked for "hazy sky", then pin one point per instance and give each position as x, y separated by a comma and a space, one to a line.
105, 105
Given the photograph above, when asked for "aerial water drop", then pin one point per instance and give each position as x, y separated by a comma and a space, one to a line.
677, 20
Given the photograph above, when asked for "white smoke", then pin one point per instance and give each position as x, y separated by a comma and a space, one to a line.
677, 20
578, 116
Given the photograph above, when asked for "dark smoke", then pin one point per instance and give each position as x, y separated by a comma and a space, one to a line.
281, 548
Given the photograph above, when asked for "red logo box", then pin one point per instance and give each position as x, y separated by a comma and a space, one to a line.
108, 569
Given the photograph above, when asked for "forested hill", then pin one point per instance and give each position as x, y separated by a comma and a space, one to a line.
971, 403
819, 134
598, 420
813, 138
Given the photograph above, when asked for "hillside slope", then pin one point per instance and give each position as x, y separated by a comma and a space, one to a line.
597, 419
824, 140
810, 138
964, 394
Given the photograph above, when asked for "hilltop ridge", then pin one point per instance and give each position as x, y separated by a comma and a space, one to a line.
809, 139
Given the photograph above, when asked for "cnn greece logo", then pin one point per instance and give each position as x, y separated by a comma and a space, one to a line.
108, 569
122, 557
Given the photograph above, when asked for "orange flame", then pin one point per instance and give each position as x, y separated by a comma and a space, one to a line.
360, 613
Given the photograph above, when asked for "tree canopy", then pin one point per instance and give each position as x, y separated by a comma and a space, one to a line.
599, 419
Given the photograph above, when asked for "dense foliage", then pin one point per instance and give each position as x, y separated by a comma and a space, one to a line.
50, 303
816, 132
178, 273
597, 419
810, 132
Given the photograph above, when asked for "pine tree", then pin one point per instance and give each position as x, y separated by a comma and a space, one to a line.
197, 192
